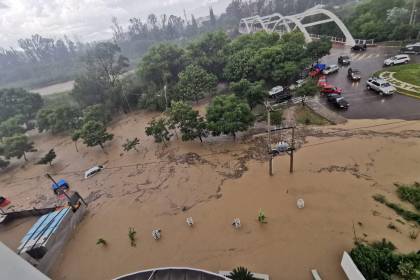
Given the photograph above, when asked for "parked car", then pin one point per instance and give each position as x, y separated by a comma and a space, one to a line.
398, 59
359, 47
338, 101
279, 94
281, 147
330, 69
328, 89
411, 49
381, 86
354, 74
297, 84
322, 81
344, 60
93, 171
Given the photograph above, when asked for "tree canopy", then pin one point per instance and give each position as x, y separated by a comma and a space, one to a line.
48, 158
159, 130
94, 134
195, 82
19, 102
228, 115
254, 93
16, 147
59, 119
189, 121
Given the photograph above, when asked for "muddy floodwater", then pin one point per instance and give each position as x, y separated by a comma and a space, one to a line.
337, 171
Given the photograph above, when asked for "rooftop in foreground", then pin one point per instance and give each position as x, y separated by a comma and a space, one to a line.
172, 273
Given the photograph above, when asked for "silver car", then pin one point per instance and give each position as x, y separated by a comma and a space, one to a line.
330, 69
381, 86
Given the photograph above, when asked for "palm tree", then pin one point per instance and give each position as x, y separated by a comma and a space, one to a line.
241, 273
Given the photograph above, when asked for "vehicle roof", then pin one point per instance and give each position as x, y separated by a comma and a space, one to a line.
401, 55
95, 168
276, 90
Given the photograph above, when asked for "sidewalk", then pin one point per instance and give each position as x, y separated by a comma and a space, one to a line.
324, 112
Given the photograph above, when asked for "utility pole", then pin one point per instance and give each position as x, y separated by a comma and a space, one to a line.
269, 109
292, 150
165, 88
413, 13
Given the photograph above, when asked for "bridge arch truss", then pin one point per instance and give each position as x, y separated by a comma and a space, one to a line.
284, 24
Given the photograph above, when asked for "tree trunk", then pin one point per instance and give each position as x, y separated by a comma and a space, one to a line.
24, 156
201, 139
102, 147
50, 163
75, 145
234, 136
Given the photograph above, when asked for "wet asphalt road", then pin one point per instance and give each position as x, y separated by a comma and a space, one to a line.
365, 104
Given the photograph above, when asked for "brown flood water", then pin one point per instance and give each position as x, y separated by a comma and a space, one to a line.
158, 188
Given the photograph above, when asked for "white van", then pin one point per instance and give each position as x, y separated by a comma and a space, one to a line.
93, 171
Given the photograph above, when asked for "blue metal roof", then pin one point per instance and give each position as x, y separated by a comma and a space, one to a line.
44, 227
59, 184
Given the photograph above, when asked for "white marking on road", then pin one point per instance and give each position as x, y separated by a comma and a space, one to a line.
369, 56
355, 56
377, 55
362, 57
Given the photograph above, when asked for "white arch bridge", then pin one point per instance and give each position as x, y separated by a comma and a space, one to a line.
284, 24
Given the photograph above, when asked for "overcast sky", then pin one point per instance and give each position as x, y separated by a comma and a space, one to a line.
85, 20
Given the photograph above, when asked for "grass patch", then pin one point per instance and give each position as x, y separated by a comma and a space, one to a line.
406, 214
408, 73
410, 193
306, 116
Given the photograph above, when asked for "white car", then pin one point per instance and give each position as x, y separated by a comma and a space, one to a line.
297, 84
398, 59
93, 171
276, 91
330, 69
381, 86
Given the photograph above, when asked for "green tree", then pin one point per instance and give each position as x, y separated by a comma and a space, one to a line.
194, 83
239, 65
309, 88
131, 145
162, 65
209, 52
101, 82
318, 49
229, 115
61, 119
189, 122
241, 273
19, 102
48, 158
94, 134
159, 130
75, 136
17, 146
12, 126
213, 19
96, 112
253, 93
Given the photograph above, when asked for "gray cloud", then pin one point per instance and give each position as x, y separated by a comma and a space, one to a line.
84, 19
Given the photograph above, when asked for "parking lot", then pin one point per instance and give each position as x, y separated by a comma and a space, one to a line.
365, 104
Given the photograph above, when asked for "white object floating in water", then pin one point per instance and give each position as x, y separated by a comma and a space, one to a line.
156, 234
300, 203
236, 223
190, 221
